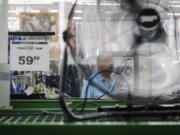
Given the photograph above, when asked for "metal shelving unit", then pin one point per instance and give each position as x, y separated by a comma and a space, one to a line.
31, 120
27, 118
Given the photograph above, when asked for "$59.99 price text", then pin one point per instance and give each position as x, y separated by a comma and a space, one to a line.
29, 60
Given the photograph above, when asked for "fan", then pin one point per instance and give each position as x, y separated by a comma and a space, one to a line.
133, 32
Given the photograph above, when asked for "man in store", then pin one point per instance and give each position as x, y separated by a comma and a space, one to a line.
103, 79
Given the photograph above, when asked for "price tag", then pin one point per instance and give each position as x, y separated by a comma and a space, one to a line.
29, 56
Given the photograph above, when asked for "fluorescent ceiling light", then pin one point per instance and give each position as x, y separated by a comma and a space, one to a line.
31, 1
78, 11
174, 6
53, 10
77, 18
34, 10
176, 14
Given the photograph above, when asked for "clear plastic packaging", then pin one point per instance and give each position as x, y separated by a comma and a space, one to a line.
135, 40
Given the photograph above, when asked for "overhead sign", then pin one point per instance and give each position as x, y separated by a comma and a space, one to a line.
29, 56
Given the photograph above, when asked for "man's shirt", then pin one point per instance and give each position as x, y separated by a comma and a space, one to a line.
93, 92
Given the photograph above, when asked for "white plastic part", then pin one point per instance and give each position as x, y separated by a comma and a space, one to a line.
4, 67
3, 31
4, 86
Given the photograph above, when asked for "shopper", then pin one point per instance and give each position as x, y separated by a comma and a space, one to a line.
104, 78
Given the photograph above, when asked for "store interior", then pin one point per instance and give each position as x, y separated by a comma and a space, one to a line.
20, 19
25, 16
114, 64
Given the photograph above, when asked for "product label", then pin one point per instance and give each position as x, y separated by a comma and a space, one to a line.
29, 56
